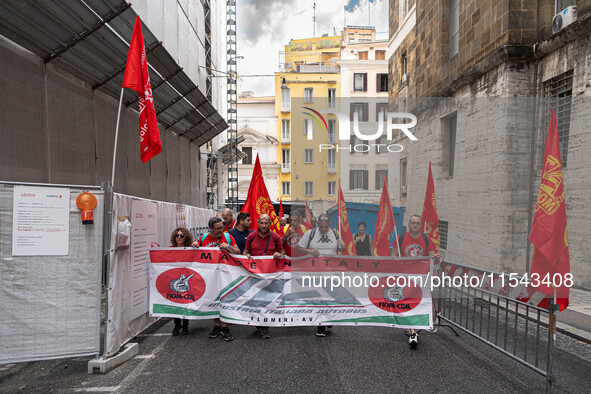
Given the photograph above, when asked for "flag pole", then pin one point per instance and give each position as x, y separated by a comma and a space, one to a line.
116, 135
395, 231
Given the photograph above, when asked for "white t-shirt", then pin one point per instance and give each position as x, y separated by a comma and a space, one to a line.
326, 244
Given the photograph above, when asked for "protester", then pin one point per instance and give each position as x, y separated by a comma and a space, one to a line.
180, 238
241, 231
313, 222
363, 241
264, 242
282, 221
218, 238
321, 240
292, 233
228, 218
413, 243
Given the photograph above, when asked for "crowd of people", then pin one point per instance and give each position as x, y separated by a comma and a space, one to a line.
295, 238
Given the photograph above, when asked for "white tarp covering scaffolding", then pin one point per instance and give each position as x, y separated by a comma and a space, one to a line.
49, 305
127, 314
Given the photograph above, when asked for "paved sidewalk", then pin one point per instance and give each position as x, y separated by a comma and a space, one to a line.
575, 321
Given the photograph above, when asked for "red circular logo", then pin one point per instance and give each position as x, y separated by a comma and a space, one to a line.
401, 296
180, 285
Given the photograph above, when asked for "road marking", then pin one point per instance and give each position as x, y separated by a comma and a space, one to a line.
154, 335
6, 367
133, 375
100, 389
144, 356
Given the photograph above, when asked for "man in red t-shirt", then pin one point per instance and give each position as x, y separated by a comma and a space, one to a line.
413, 243
228, 218
217, 238
292, 233
264, 242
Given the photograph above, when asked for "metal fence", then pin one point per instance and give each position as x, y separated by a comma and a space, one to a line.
477, 305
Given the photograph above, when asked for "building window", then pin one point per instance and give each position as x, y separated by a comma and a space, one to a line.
381, 83
308, 98
383, 108
361, 109
443, 232
285, 188
308, 188
285, 100
285, 159
332, 98
360, 82
285, 134
358, 179
404, 64
248, 158
403, 177
404, 8
308, 156
380, 176
448, 128
308, 128
559, 91
562, 4
332, 161
332, 131
381, 145
454, 27
363, 55
332, 188
380, 55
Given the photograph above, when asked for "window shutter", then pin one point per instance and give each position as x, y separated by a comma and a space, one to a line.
351, 181
365, 82
378, 82
365, 111
365, 176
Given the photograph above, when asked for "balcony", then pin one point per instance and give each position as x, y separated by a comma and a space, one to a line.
318, 68
285, 168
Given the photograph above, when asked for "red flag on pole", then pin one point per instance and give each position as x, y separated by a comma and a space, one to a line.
258, 201
344, 228
281, 213
429, 217
384, 224
548, 233
137, 78
308, 223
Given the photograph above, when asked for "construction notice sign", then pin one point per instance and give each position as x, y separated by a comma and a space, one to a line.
40, 221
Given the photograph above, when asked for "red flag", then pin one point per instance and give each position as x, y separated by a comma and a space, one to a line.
344, 228
137, 78
281, 214
429, 217
384, 224
548, 232
258, 201
308, 223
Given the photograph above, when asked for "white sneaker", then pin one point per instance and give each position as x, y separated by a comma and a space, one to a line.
413, 340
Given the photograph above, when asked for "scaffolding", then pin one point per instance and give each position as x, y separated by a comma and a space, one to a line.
232, 152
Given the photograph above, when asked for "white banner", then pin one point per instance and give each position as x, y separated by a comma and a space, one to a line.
332, 290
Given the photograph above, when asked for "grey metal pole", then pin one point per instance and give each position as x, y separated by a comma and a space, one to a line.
552, 307
107, 254
116, 135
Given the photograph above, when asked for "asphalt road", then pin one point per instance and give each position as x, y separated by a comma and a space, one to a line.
350, 359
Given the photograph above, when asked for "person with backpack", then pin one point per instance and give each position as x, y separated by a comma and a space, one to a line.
264, 242
216, 237
413, 243
321, 240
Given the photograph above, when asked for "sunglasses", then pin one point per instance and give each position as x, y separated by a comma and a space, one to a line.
180, 236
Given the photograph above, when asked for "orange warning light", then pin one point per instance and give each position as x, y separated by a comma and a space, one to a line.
86, 202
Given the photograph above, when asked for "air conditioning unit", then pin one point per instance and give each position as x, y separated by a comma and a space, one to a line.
403, 190
404, 79
564, 18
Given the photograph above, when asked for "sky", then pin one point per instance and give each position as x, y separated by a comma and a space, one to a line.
265, 26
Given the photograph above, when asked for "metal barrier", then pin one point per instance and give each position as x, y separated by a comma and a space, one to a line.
481, 309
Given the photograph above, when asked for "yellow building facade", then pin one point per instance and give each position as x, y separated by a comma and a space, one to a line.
307, 172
